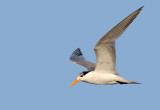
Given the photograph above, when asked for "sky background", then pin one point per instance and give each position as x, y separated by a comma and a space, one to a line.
38, 36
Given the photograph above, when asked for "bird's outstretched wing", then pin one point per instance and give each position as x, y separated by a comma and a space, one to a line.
105, 48
78, 58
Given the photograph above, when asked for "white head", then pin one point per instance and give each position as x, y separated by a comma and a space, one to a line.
80, 77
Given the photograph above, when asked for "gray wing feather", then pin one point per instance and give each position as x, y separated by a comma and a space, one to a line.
105, 48
78, 58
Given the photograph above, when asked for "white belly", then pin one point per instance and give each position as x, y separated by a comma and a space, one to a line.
101, 78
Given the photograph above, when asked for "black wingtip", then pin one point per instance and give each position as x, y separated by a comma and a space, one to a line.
142, 7
77, 52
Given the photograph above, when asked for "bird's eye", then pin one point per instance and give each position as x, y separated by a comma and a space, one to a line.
81, 75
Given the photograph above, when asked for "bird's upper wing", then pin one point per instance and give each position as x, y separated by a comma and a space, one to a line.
105, 48
78, 58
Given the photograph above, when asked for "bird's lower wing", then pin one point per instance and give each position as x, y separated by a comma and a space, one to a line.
78, 58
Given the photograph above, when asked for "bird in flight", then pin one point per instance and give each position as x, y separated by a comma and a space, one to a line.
104, 71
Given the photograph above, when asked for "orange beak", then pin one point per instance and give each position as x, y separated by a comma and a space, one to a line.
77, 80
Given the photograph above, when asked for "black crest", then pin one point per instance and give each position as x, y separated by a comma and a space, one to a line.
83, 73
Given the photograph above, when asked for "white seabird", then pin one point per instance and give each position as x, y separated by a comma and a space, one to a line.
104, 71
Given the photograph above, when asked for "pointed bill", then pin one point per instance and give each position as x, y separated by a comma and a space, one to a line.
77, 80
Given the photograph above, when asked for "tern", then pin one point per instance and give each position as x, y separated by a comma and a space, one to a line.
104, 71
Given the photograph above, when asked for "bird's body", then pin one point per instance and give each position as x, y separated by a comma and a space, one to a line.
100, 78
105, 78
104, 71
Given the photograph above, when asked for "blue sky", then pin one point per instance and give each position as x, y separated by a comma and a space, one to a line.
38, 36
